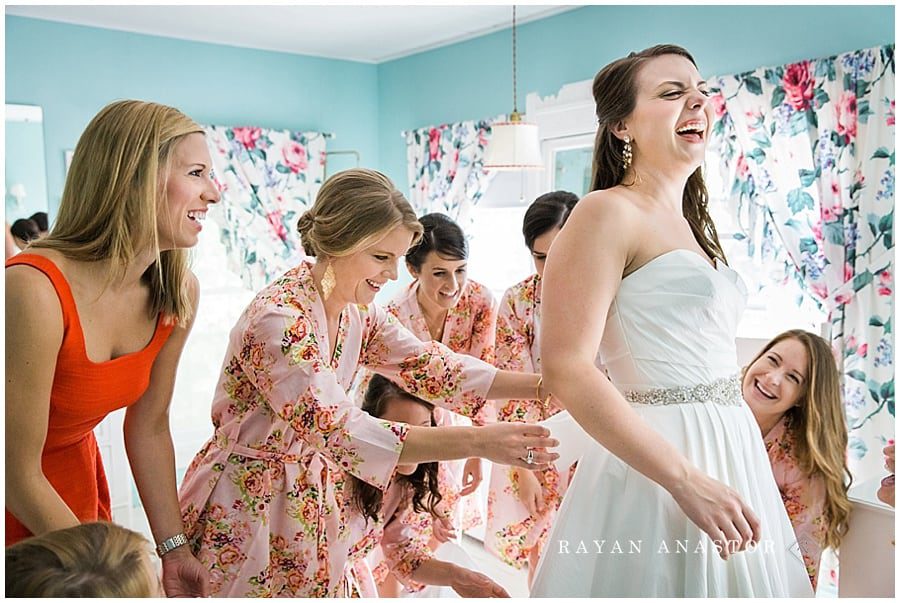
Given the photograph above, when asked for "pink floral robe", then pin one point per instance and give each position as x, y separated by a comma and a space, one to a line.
511, 530
803, 496
264, 501
404, 538
468, 329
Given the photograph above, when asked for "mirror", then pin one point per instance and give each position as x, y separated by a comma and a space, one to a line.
572, 169
26, 174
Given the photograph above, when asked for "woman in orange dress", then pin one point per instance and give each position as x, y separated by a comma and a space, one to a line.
97, 314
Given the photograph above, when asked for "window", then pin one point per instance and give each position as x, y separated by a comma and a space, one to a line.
498, 257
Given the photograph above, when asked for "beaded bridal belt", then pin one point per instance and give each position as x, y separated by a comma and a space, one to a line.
725, 391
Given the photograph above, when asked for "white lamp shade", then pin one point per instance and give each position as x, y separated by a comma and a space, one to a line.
514, 145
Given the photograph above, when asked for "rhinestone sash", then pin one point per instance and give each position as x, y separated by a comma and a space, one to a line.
725, 391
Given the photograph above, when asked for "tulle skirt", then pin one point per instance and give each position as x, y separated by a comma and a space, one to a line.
620, 534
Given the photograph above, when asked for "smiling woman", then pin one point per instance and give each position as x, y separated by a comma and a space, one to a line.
267, 500
793, 388
97, 313
639, 273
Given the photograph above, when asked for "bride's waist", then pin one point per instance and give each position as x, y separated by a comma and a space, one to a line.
634, 375
723, 390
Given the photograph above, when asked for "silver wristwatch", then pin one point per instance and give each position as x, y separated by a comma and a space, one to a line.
170, 544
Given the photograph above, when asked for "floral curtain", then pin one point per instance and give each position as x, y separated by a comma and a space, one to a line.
267, 179
809, 150
445, 168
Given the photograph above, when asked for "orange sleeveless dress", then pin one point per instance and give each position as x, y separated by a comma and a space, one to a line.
83, 393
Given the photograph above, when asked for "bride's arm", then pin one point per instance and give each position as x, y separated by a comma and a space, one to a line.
584, 270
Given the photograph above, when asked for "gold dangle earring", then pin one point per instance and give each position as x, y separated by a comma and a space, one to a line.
626, 153
328, 281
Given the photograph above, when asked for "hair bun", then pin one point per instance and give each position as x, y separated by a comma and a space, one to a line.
304, 227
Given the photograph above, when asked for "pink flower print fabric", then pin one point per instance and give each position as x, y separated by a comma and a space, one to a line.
266, 500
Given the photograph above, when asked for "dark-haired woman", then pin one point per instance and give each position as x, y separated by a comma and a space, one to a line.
522, 504
674, 496
443, 304
404, 553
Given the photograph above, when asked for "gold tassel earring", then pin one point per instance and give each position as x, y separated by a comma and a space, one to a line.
626, 153
328, 281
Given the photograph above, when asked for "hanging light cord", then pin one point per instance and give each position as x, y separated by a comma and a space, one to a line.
515, 100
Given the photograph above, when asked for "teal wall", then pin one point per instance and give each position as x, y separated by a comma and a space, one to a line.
73, 71
472, 79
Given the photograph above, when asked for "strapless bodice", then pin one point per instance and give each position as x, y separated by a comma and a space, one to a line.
673, 323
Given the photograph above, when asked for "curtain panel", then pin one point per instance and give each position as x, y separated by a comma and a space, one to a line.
809, 151
445, 168
267, 179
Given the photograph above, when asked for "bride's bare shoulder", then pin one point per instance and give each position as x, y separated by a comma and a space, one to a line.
609, 209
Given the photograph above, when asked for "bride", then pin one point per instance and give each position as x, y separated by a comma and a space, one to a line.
673, 495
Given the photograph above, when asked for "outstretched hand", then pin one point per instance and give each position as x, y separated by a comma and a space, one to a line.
509, 443
719, 511
469, 584
183, 575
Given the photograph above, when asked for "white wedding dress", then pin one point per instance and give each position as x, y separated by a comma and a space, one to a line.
669, 340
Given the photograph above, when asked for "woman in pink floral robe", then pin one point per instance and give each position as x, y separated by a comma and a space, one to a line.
518, 528
793, 388
464, 322
265, 501
468, 329
404, 555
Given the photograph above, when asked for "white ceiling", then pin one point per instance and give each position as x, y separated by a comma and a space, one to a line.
371, 34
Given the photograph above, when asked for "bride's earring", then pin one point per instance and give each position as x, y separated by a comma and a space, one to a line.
626, 153
328, 282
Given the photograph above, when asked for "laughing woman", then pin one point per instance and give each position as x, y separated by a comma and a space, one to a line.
638, 273
267, 500
794, 390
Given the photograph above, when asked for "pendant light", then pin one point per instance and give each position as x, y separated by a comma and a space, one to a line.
514, 144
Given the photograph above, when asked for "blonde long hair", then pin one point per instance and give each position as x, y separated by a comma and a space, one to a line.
819, 429
111, 198
96, 559
353, 209
615, 93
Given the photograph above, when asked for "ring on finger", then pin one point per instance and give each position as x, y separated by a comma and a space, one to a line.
529, 458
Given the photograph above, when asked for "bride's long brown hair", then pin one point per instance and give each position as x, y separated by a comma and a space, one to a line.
615, 92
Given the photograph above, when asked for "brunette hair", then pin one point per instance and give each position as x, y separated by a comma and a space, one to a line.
549, 211
441, 235
424, 481
819, 430
615, 92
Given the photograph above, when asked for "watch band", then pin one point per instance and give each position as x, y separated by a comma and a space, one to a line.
170, 544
